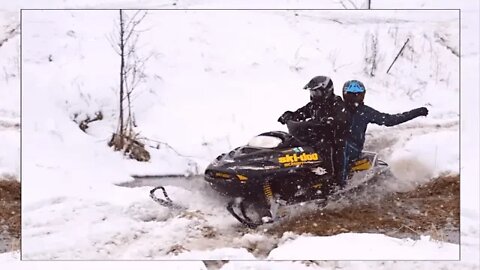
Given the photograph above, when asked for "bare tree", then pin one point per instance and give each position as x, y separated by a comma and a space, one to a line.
122, 70
371, 54
124, 40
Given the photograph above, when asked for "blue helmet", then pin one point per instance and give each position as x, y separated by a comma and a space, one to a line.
354, 92
353, 86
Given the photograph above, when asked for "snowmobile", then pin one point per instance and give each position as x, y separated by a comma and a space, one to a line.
278, 168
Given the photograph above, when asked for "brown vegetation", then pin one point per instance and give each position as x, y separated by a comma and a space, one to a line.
431, 209
10, 207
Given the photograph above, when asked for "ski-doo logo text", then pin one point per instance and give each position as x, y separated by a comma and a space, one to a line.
294, 160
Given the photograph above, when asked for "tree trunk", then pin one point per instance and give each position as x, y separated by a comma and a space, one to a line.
122, 69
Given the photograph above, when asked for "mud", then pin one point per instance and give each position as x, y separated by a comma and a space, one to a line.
431, 209
10, 225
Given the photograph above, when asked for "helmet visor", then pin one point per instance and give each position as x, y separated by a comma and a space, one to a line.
317, 94
354, 98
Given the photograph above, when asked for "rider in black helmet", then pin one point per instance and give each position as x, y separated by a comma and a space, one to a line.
361, 115
328, 110
324, 107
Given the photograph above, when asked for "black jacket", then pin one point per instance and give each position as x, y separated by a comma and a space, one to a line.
363, 115
331, 118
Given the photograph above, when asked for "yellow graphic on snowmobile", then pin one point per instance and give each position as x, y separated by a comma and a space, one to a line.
242, 177
228, 176
361, 165
295, 160
223, 175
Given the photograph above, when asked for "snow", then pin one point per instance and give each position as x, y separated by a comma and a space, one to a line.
425, 157
11, 261
211, 89
10, 154
351, 246
79, 90
9, 98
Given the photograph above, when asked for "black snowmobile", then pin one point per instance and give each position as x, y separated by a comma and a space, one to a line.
278, 168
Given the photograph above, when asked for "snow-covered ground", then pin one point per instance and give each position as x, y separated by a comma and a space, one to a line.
217, 78
9, 95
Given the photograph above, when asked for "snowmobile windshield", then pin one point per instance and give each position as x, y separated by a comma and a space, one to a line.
306, 131
262, 141
297, 129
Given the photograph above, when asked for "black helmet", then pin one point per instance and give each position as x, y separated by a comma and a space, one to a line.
320, 87
353, 93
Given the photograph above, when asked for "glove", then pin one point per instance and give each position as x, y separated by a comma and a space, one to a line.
288, 115
327, 120
422, 111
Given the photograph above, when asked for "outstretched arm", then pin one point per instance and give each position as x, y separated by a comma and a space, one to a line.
389, 120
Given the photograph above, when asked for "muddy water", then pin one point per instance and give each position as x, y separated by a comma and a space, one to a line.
189, 183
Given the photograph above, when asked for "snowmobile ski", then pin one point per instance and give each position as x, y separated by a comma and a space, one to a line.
243, 218
238, 204
167, 202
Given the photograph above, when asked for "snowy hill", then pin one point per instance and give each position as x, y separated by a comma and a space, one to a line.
210, 87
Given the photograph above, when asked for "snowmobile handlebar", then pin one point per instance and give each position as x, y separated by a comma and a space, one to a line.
304, 130
295, 125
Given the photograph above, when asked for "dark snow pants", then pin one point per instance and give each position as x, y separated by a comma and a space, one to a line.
345, 155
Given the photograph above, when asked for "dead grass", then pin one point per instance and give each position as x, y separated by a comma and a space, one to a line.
431, 209
10, 207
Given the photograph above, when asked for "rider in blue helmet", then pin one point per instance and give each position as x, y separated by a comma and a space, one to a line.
361, 115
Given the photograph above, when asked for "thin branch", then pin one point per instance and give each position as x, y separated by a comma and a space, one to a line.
132, 24
353, 4
401, 50
166, 145
113, 43
10, 34
408, 227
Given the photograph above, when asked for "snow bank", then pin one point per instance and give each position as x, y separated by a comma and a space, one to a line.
10, 153
11, 261
364, 246
216, 254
